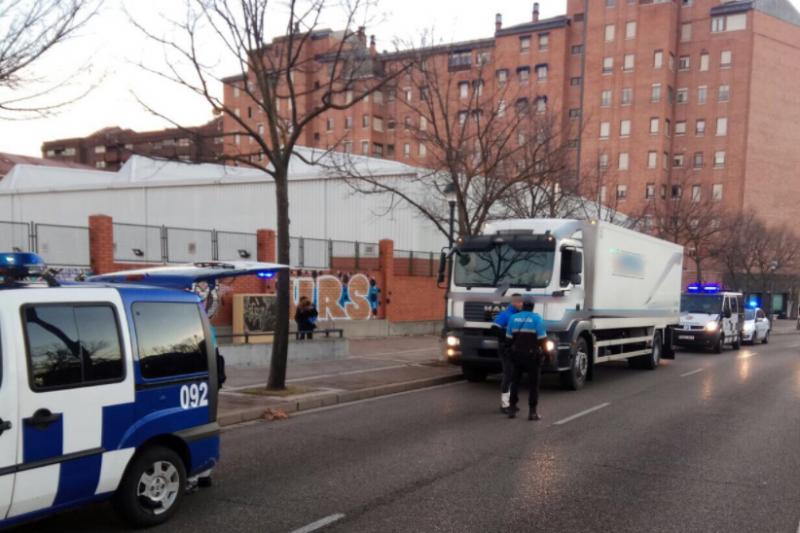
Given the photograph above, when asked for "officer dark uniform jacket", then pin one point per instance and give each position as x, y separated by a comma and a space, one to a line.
501, 321
527, 333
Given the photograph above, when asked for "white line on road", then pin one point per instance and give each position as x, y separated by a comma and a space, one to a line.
319, 524
695, 371
582, 413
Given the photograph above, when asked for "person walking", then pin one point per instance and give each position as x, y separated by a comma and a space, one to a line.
528, 336
305, 316
501, 323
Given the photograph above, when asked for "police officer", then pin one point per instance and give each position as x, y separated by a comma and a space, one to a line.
501, 321
528, 335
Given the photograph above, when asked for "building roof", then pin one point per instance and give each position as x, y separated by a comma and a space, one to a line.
141, 171
781, 9
540, 25
9, 161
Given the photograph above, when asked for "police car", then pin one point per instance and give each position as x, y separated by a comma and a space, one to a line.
108, 388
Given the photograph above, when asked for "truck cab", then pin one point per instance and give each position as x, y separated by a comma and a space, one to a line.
108, 389
605, 293
710, 318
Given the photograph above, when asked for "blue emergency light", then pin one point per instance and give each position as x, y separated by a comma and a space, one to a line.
752, 304
20, 265
268, 274
709, 288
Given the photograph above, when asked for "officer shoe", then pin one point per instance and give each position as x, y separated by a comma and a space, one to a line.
533, 415
504, 410
512, 412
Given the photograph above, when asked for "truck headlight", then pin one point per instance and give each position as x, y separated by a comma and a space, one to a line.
453, 341
549, 345
712, 326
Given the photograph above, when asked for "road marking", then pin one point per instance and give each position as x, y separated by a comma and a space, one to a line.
319, 524
582, 413
695, 371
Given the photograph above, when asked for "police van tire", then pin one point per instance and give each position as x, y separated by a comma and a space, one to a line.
575, 377
737, 343
474, 374
152, 489
719, 344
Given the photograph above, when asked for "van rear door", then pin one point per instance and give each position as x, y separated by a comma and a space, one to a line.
8, 418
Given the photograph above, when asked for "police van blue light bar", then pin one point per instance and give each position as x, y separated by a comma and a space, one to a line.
266, 274
710, 288
20, 265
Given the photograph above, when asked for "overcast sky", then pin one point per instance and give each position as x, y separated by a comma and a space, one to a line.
108, 51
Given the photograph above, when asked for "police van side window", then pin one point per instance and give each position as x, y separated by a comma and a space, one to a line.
171, 339
72, 345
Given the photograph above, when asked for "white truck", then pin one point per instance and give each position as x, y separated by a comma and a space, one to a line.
605, 292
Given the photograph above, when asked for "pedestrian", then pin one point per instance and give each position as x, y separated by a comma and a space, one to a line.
528, 335
504, 348
305, 316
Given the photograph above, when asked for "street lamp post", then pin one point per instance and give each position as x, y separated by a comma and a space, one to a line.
451, 197
773, 266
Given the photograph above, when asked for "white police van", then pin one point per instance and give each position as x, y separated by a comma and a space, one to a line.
108, 388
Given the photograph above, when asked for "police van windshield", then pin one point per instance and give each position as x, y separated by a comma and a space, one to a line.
503, 265
709, 304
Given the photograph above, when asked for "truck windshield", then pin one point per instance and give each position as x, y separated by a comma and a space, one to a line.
701, 303
503, 265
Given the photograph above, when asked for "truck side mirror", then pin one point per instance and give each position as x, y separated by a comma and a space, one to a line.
442, 267
576, 266
576, 279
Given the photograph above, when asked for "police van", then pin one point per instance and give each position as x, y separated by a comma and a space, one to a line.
710, 318
108, 388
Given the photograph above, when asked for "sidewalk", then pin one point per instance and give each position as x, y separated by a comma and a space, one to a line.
784, 327
375, 367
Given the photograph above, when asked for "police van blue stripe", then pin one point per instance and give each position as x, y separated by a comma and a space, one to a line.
78, 479
44, 443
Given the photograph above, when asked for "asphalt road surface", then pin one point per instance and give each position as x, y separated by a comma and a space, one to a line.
705, 443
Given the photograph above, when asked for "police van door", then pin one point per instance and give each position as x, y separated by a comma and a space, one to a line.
75, 366
8, 419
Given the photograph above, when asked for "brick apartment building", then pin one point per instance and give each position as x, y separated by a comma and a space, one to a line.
109, 148
652, 88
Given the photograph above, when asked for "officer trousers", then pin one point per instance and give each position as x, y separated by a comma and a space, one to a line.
525, 365
508, 372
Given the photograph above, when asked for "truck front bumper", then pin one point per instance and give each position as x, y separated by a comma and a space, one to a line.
481, 349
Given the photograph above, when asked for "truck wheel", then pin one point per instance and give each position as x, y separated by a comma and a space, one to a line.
473, 374
575, 377
152, 488
653, 359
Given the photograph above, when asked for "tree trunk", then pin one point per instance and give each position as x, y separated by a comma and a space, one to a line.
280, 343
697, 264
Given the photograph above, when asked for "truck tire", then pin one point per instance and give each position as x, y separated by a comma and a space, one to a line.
152, 488
653, 359
575, 377
474, 374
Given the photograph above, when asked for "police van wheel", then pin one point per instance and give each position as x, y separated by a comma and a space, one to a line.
473, 374
152, 488
575, 377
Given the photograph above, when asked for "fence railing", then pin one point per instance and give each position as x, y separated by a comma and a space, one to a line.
411, 263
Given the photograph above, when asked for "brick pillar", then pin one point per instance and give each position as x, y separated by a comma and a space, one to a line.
266, 251
101, 244
386, 262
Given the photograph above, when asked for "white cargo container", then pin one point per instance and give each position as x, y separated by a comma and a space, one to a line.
605, 292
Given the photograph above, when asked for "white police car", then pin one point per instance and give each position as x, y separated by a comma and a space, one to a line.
108, 389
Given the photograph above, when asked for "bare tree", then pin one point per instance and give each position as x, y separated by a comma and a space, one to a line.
500, 150
29, 29
288, 84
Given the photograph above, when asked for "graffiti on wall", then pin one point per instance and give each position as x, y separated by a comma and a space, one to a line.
340, 296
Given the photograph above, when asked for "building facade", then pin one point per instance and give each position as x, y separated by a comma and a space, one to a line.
110, 148
660, 98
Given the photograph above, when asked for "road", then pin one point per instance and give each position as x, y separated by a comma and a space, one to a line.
705, 443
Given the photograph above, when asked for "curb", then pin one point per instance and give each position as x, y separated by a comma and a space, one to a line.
334, 398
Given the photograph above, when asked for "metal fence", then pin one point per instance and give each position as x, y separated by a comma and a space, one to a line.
232, 245
334, 255
186, 245
15, 236
62, 245
411, 263
134, 243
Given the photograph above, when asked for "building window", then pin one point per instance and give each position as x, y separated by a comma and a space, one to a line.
377, 124
700, 127
677, 192
663, 191
624, 161
577, 49
605, 98
100, 149
722, 126
704, 61
630, 29
608, 65
680, 127
525, 44
541, 72
734, 22
389, 150
574, 112
658, 59
603, 191
622, 192
463, 89
348, 123
237, 139
236, 91
502, 76
650, 191
654, 121
100, 164
677, 160
365, 147
329, 123
501, 108
541, 104
625, 128
716, 192
575, 82
655, 93
609, 32
627, 64
697, 160
423, 123
719, 159
667, 127
652, 159
348, 147
544, 41
602, 162
578, 17
423, 150
390, 124
605, 130
406, 150
702, 94
524, 74
408, 94
627, 96
462, 117
686, 32
682, 96
365, 121
724, 93
684, 63
725, 59
697, 193
610, 3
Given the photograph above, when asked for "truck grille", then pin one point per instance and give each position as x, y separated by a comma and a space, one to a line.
481, 311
